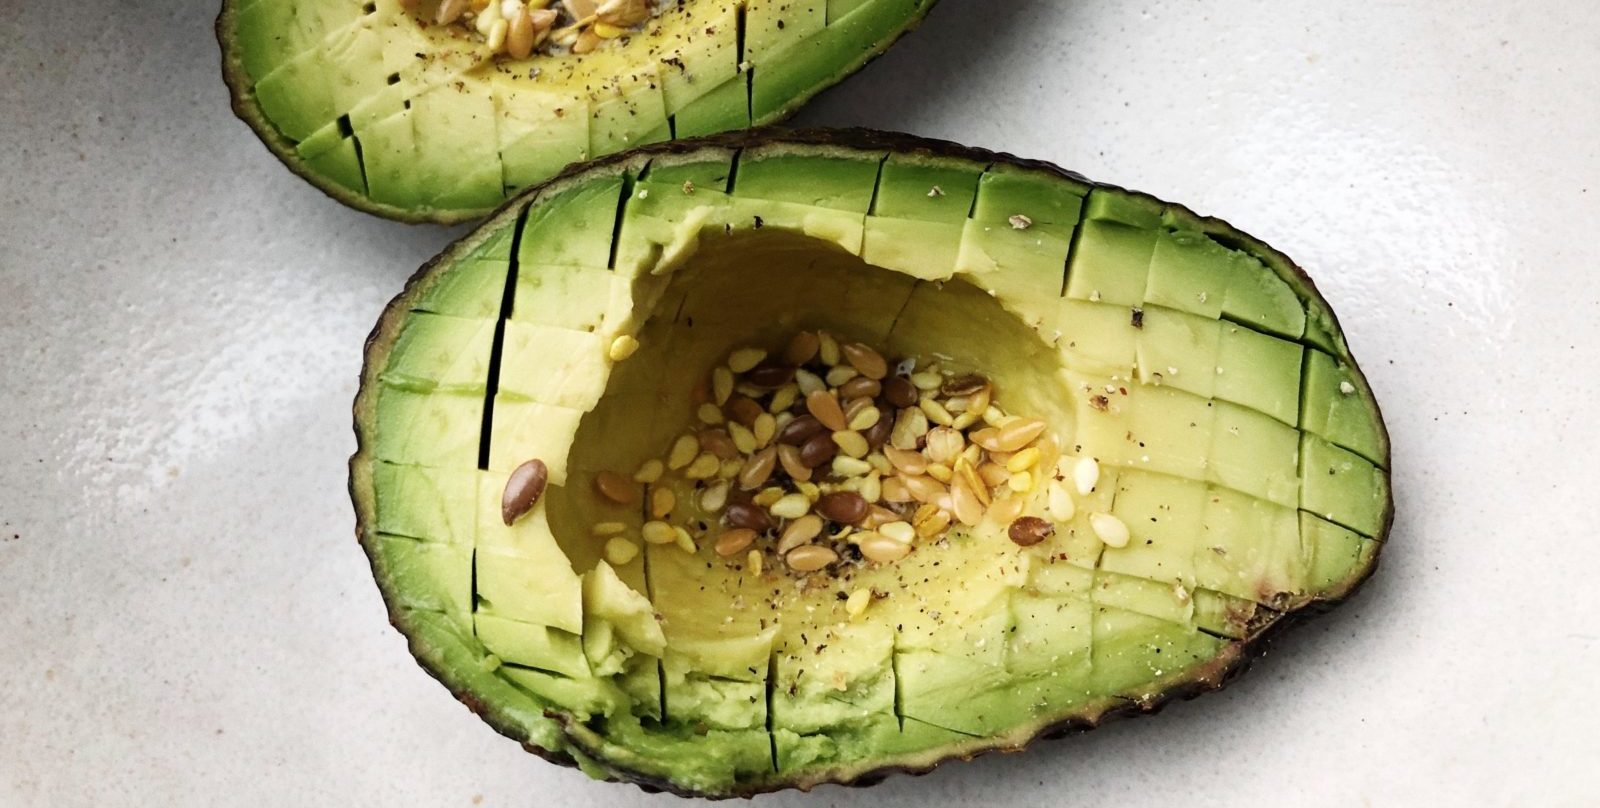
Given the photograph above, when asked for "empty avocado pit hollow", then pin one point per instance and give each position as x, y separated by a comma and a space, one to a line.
440, 110
1073, 452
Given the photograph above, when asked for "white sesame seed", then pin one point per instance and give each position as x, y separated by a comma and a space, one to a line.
1086, 475
623, 347
1110, 529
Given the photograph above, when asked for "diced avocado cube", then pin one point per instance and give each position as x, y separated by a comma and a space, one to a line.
437, 352
828, 183
428, 429
1336, 406
531, 645
1161, 513
1178, 350
1189, 272
1255, 454
1250, 548
429, 575
1111, 263
1260, 372
574, 227
926, 189
426, 504
1342, 486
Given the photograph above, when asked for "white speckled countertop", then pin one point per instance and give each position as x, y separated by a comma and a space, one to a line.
185, 618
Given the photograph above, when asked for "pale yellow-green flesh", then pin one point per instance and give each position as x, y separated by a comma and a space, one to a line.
762, 679
423, 120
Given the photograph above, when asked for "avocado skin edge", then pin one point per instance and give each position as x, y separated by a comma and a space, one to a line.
1233, 661
245, 109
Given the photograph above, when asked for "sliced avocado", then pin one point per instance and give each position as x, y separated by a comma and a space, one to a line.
1199, 460
390, 113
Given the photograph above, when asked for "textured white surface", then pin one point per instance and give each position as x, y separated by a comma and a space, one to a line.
185, 618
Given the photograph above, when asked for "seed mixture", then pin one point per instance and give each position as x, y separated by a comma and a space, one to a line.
827, 453
520, 28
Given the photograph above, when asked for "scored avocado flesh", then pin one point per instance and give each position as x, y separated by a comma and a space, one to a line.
1235, 439
422, 122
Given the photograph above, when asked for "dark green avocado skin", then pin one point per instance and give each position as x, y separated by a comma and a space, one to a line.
1213, 676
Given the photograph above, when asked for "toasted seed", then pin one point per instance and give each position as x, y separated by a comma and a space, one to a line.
744, 359
967, 507
825, 408
800, 531
880, 463
802, 347
704, 467
899, 391
894, 490
617, 488
758, 469
498, 31
684, 541
649, 471
719, 443
860, 387
608, 528
770, 375
523, 488
853, 406
730, 468
1023, 460
1027, 531
1086, 475
856, 604
809, 382
994, 416
973, 454
941, 472
1110, 529
936, 412
683, 452
753, 560
964, 385
912, 463
710, 414
714, 496
1019, 433
743, 439
840, 374
846, 466
810, 558
881, 549
899, 530
662, 501
993, 474
827, 348
789, 458
747, 515
1005, 509
868, 362
812, 491
791, 506
866, 418
878, 434
620, 551
721, 385
818, 450
936, 521
766, 496
987, 438
871, 487
851, 443
1062, 508
944, 444
450, 11
622, 347
765, 429
800, 430
927, 380
783, 398
1021, 482
658, 532
844, 507
969, 475
909, 427
734, 541
520, 35
924, 489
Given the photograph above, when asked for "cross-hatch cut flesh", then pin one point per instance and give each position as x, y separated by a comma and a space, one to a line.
856, 452
439, 110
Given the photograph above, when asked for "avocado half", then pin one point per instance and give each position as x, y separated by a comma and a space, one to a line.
418, 122
1197, 370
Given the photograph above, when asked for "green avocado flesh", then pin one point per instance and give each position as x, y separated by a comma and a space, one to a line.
1235, 439
421, 123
